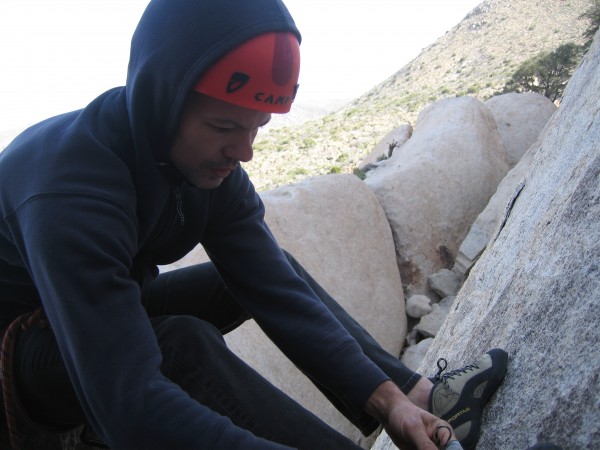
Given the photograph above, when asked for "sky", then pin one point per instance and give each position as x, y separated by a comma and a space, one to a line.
57, 55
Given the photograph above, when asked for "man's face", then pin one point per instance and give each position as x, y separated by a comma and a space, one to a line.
213, 138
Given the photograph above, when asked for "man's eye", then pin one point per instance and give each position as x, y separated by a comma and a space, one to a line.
219, 129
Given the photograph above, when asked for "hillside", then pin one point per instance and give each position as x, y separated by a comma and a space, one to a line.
475, 58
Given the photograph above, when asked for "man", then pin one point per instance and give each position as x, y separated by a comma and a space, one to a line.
92, 201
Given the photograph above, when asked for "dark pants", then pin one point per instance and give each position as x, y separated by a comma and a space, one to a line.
194, 302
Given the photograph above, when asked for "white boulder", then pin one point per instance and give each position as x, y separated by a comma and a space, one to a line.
520, 119
434, 188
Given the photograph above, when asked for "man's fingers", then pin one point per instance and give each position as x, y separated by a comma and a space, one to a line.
411, 427
428, 438
442, 435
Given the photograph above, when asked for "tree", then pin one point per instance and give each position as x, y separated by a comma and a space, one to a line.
547, 73
593, 15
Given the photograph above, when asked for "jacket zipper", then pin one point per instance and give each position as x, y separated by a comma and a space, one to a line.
179, 204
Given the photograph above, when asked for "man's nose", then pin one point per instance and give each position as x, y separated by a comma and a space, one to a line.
241, 149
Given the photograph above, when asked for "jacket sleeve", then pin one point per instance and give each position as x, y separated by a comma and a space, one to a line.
78, 250
259, 275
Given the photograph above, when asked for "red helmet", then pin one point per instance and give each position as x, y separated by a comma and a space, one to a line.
261, 74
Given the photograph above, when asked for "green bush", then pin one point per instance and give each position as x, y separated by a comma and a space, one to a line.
297, 172
343, 157
359, 173
308, 143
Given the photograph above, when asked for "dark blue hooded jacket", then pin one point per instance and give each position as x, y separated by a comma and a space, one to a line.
88, 209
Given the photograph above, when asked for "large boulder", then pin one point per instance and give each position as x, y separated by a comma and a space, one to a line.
520, 119
485, 225
535, 290
337, 230
436, 185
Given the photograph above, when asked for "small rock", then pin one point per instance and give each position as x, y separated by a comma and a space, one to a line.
444, 283
418, 306
431, 323
470, 250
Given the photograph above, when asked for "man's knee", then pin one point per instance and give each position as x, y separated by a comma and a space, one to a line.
185, 333
194, 352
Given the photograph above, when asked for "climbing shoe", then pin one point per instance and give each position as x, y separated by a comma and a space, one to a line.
458, 396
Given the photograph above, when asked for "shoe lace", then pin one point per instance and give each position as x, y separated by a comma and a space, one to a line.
443, 364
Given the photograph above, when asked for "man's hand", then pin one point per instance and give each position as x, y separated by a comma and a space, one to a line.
407, 425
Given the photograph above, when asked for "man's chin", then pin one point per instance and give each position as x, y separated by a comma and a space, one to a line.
207, 183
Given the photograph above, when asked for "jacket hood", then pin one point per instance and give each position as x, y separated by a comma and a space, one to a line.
174, 43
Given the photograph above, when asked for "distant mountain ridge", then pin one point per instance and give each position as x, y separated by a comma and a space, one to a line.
305, 111
476, 57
